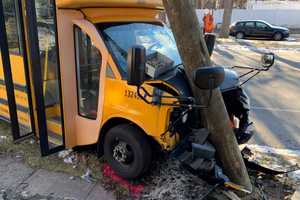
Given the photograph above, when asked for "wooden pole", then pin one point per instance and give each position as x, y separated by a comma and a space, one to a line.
194, 53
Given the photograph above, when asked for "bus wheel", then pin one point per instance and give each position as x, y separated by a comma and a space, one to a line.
127, 151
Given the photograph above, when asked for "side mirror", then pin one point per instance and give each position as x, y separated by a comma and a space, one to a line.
208, 78
136, 61
268, 60
210, 40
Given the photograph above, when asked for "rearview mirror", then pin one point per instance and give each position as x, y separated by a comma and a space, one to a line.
210, 40
136, 61
268, 60
208, 78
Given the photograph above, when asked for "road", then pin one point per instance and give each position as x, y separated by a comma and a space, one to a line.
275, 95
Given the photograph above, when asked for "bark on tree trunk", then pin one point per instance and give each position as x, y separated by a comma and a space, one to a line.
194, 53
228, 4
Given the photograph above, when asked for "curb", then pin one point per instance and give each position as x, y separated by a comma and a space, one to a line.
256, 43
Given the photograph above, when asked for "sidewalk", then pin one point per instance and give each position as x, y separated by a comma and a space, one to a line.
18, 181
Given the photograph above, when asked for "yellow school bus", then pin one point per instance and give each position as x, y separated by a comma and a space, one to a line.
84, 73
105, 72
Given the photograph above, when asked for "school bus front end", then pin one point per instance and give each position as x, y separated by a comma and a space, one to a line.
83, 95
99, 105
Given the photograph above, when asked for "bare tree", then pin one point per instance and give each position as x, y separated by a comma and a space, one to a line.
228, 5
193, 50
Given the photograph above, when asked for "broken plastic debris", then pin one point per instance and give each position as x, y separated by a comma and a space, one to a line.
65, 153
25, 194
69, 198
3, 138
70, 159
19, 156
87, 176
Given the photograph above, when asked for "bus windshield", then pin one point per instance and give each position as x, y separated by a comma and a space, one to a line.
158, 40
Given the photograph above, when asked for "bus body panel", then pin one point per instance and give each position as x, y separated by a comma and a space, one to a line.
116, 98
120, 99
109, 3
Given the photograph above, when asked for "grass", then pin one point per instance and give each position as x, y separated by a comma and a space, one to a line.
29, 150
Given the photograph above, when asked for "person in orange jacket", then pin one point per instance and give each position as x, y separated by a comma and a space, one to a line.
208, 21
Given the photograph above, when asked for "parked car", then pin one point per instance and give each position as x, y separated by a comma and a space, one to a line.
258, 29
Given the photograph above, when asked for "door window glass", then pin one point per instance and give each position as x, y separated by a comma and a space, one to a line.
46, 20
261, 25
11, 24
250, 24
88, 62
17, 56
240, 24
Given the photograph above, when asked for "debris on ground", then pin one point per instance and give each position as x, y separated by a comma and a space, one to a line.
166, 180
24, 195
65, 153
3, 138
88, 177
281, 160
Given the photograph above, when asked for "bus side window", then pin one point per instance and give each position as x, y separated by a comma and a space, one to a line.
88, 63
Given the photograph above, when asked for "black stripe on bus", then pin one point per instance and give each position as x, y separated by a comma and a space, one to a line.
17, 86
19, 107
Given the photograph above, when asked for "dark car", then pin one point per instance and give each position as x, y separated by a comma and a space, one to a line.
258, 29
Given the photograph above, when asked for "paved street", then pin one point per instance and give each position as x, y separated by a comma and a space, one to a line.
274, 94
17, 178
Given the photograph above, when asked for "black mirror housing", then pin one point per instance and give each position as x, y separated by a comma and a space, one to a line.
268, 60
208, 78
210, 40
136, 61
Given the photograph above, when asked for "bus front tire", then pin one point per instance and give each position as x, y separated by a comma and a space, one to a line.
127, 151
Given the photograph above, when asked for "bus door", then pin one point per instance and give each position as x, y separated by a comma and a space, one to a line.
41, 25
15, 94
90, 60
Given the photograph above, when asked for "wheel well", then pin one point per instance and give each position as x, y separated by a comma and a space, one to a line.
240, 32
277, 32
115, 122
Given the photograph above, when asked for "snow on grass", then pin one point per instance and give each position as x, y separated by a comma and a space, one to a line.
278, 159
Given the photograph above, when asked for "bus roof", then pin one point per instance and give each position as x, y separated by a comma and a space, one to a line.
155, 4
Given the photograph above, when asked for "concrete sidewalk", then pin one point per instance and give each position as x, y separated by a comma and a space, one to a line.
17, 178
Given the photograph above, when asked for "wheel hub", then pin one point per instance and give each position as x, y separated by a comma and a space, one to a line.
121, 153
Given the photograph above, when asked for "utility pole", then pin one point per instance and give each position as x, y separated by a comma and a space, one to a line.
228, 5
194, 53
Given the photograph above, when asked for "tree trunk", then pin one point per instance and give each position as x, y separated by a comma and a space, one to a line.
194, 53
228, 4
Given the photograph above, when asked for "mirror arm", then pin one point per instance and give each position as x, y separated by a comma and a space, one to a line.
250, 78
251, 68
174, 104
142, 97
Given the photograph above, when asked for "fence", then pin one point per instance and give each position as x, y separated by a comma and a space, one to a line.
288, 18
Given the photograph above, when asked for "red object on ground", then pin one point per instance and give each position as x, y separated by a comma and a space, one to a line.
134, 189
